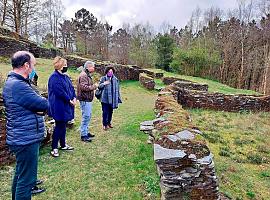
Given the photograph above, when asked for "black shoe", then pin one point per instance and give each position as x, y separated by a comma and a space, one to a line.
36, 190
90, 135
86, 139
39, 181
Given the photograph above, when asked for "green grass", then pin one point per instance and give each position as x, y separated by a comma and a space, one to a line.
240, 143
214, 86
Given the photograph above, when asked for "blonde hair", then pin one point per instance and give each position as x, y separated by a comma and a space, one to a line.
59, 62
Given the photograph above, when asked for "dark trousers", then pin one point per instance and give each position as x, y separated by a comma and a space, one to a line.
59, 133
107, 112
25, 170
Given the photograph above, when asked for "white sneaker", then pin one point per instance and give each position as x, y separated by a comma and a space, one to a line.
67, 148
54, 153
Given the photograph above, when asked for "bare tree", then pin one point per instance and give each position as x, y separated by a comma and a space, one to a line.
3, 9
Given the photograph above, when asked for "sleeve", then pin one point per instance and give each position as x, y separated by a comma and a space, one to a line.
83, 82
57, 88
101, 82
119, 96
25, 96
72, 88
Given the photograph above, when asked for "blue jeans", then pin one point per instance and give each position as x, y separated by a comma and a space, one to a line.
25, 170
59, 134
107, 112
86, 108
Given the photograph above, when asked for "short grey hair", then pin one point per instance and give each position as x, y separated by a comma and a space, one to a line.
88, 63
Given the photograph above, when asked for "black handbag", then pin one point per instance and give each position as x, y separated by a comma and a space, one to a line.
98, 93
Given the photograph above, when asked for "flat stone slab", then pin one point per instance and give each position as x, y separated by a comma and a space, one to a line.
185, 135
207, 160
160, 119
173, 138
161, 153
147, 123
146, 128
197, 131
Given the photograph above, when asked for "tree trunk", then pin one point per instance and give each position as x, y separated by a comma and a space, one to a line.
242, 62
266, 71
4, 12
26, 20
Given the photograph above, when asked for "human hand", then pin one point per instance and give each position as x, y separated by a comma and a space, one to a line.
107, 82
73, 102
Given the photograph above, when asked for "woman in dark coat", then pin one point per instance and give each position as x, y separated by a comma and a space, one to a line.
110, 98
62, 100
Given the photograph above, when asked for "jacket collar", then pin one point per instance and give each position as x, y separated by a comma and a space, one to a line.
18, 76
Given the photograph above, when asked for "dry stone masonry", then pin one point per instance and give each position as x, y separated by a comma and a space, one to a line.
223, 102
9, 45
5, 156
147, 81
184, 162
190, 86
170, 80
123, 72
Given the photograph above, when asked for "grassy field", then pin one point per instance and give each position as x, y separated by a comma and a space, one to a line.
214, 86
119, 164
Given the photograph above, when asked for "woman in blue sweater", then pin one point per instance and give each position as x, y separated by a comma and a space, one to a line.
62, 100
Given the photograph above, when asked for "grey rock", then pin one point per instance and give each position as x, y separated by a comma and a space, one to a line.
197, 131
146, 128
173, 138
147, 123
185, 135
163, 153
206, 160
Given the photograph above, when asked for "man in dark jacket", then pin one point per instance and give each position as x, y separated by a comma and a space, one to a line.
85, 94
25, 123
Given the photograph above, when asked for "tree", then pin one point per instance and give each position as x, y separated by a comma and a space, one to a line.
84, 23
142, 48
165, 45
3, 9
67, 35
120, 44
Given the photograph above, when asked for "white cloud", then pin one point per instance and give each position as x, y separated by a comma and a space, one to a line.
117, 12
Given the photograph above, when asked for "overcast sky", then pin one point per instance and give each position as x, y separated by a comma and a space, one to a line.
156, 12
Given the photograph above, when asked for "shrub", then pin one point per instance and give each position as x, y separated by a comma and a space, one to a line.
225, 151
255, 159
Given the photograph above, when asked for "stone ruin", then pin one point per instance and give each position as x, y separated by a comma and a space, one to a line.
147, 81
184, 162
170, 80
151, 73
5, 156
222, 102
9, 45
184, 84
123, 72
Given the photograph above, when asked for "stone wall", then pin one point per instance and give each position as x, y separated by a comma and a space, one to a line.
5, 156
170, 80
190, 86
184, 162
152, 74
147, 81
223, 102
123, 72
9, 45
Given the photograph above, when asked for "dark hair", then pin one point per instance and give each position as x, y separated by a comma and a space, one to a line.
108, 68
19, 60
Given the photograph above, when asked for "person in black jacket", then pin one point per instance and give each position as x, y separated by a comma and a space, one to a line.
25, 123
